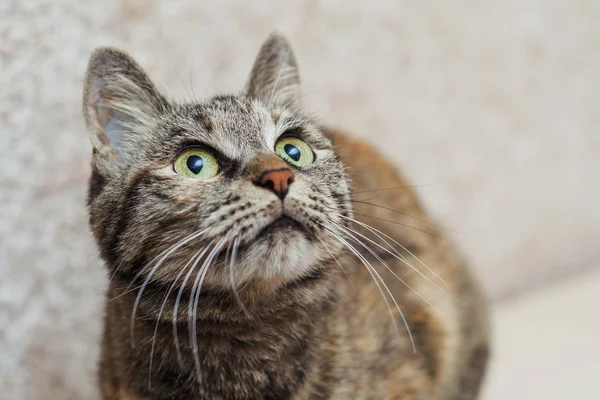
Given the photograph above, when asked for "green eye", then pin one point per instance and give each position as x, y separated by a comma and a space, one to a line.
294, 151
196, 163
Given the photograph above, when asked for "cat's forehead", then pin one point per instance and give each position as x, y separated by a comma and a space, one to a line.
237, 126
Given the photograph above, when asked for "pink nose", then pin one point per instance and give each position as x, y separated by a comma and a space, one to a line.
276, 180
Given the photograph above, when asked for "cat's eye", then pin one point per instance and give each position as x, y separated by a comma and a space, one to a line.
196, 163
294, 151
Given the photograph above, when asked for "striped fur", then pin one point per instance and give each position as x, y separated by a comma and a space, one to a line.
301, 311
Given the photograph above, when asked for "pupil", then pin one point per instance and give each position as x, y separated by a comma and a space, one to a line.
195, 164
292, 151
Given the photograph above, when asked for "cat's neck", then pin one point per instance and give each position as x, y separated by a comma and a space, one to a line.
264, 342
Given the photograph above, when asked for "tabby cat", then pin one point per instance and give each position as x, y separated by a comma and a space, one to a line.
256, 254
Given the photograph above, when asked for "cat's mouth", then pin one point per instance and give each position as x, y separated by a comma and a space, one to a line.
280, 224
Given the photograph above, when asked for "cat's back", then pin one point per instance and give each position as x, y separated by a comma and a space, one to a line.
408, 259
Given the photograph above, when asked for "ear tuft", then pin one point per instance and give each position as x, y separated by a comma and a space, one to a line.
274, 78
118, 100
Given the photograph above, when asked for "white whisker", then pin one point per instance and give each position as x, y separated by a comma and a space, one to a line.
402, 259
236, 244
338, 263
154, 269
112, 276
191, 77
185, 87
161, 311
142, 270
378, 232
373, 274
349, 232
193, 309
178, 299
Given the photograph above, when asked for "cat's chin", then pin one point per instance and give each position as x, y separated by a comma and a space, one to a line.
282, 250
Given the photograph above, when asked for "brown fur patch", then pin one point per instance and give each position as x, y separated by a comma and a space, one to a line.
275, 118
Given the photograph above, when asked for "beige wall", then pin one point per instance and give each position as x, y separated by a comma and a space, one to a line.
492, 105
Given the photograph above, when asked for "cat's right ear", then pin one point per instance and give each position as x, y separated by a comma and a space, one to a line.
274, 77
119, 100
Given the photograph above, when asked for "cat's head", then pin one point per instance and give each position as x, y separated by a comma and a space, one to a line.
242, 187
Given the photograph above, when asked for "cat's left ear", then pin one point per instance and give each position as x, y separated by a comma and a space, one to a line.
274, 78
119, 101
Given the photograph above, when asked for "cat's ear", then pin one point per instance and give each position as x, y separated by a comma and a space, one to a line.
274, 77
119, 100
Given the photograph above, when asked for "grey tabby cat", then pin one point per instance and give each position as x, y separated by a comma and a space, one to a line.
247, 261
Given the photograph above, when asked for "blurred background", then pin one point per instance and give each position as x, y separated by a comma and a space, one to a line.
492, 107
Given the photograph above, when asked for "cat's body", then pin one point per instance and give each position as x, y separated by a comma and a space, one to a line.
289, 308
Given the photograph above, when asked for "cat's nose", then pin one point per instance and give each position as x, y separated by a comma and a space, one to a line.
276, 180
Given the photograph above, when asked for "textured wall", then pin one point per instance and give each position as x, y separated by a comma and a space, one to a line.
493, 106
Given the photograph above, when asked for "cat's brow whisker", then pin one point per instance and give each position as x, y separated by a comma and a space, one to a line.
178, 299
377, 232
185, 87
154, 269
192, 78
375, 275
382, 261
193, 309
206, 90
406, 215
181, 271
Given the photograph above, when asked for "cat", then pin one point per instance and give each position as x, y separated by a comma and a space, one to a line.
247, 260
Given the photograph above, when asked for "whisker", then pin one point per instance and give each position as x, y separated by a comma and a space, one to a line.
398, 187
182, 270
406, 215
403, 260
192, 78
236, 243
389, 269
183, 83
227, 253
123, 294
193, 309
377, 232
154, 269
142, 270
178, 299
398, 223
206, 90
112, 276
338, 262
374, 273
